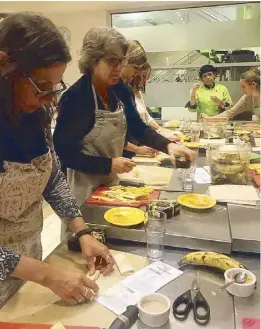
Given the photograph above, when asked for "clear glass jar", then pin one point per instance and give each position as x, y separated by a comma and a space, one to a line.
229, 164
215, 128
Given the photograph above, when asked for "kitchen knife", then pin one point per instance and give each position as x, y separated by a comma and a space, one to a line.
134, 184
127, 319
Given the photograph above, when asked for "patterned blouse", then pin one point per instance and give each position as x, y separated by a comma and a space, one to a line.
56, 193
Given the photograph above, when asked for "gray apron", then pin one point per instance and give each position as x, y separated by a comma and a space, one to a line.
21, 214
106, 139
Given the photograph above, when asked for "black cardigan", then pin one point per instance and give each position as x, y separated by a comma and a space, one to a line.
77, 117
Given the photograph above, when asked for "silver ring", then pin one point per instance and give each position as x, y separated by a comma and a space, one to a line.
86, 293
79, 301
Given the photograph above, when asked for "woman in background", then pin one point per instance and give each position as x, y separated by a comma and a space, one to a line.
33, 58
208, 98
139, 86
250, 101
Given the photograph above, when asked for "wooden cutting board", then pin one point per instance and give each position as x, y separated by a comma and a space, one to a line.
139, 203
36, 304
143, 160
149, 175
8, 325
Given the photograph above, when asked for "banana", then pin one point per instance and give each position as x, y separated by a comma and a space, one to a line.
212, 259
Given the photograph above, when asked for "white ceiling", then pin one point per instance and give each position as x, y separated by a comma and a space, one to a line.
68, 6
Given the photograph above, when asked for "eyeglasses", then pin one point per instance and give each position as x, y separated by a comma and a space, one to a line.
55, 91
115, 61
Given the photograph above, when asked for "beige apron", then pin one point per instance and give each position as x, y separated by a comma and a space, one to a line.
21, 214
106, 139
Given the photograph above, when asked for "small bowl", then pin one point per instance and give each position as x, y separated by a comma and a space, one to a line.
240, 290
151, 314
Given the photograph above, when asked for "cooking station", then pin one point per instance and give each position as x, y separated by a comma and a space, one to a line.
223, 228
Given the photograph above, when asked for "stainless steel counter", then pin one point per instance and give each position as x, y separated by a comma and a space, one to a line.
245, 227
227, 312
222, 229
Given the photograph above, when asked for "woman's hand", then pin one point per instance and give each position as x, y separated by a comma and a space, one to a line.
203, 115
97, 255
180, 150
122, 165
216, 100
71, 286
195, 88
147, 151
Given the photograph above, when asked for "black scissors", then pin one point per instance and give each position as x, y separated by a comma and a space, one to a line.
192, 299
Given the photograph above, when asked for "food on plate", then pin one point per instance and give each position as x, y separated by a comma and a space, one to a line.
185, 138
229, 168
211, 259
129, 194
58, 325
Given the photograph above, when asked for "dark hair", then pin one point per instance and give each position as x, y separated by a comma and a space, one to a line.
136, 54
252, 76
31, 41
99, 43
136, 81
207, 68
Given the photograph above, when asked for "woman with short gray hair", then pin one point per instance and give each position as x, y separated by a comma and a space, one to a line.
91, 127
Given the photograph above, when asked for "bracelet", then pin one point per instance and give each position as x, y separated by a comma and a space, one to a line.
83, 232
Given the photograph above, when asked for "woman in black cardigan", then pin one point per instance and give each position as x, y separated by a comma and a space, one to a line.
98, 110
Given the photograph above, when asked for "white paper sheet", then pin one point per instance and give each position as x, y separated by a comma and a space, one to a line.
207, 168
239, 194
201, 176
130, 290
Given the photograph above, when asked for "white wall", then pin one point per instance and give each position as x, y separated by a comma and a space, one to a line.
199, 35
177, 113
78, 23
166, 58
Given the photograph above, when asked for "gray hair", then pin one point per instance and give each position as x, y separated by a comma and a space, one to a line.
98, 43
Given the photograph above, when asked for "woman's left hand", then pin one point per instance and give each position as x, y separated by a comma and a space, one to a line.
147, 151
215, 99
181, 150
97, 255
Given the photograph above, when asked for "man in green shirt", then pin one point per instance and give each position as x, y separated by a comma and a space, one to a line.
209, 97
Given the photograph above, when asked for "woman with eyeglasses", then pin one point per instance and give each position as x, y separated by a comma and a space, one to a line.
96, 112
33, 58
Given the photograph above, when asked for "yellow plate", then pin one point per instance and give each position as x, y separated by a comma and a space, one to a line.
196, 201
254, 166
192, 144
242, 132
124, 216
